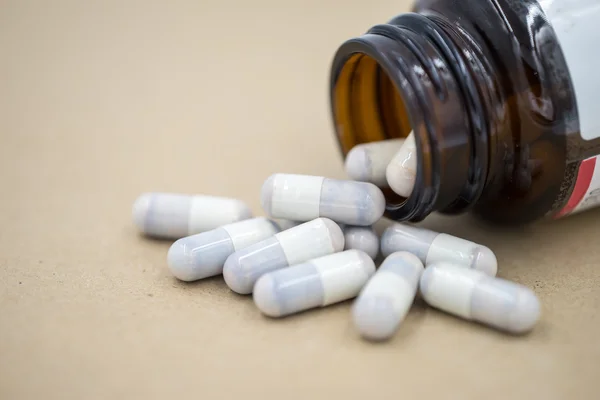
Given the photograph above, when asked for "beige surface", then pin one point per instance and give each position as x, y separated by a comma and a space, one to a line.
101, 100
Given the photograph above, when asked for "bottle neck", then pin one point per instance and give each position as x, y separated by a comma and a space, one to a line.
421, 73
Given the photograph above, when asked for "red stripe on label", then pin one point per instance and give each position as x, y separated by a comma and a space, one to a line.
584, 177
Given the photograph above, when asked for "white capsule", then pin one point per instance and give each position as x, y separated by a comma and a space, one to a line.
173, 216
476, 296
432, 247
385, 300
304, 197
367, 162
296, 245
361, 238
317, 283
401, 172
202, 255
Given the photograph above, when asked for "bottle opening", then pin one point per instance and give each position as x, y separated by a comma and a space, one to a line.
392, 81
368, 108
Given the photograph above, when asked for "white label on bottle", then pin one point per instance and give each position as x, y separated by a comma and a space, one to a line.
577, 26
586, 193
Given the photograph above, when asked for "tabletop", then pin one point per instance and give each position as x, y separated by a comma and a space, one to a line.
103, 100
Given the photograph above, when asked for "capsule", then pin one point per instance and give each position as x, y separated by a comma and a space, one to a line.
317, 283
473, 295
202, 255
367, 162
401, 172
296, 245
361, 238
173, 216
385, 300
432, 247
303, 198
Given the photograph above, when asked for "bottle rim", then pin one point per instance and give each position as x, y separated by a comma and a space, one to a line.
444, 110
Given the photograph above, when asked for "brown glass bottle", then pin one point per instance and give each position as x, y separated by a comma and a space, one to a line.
489, 93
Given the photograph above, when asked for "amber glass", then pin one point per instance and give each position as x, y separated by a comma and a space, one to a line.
485, 88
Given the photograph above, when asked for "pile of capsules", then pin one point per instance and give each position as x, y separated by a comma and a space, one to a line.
319, 248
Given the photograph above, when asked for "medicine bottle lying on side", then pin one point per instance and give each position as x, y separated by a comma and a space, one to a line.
501, 99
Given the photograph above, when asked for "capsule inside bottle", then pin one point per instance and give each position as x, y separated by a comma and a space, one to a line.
368, 162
